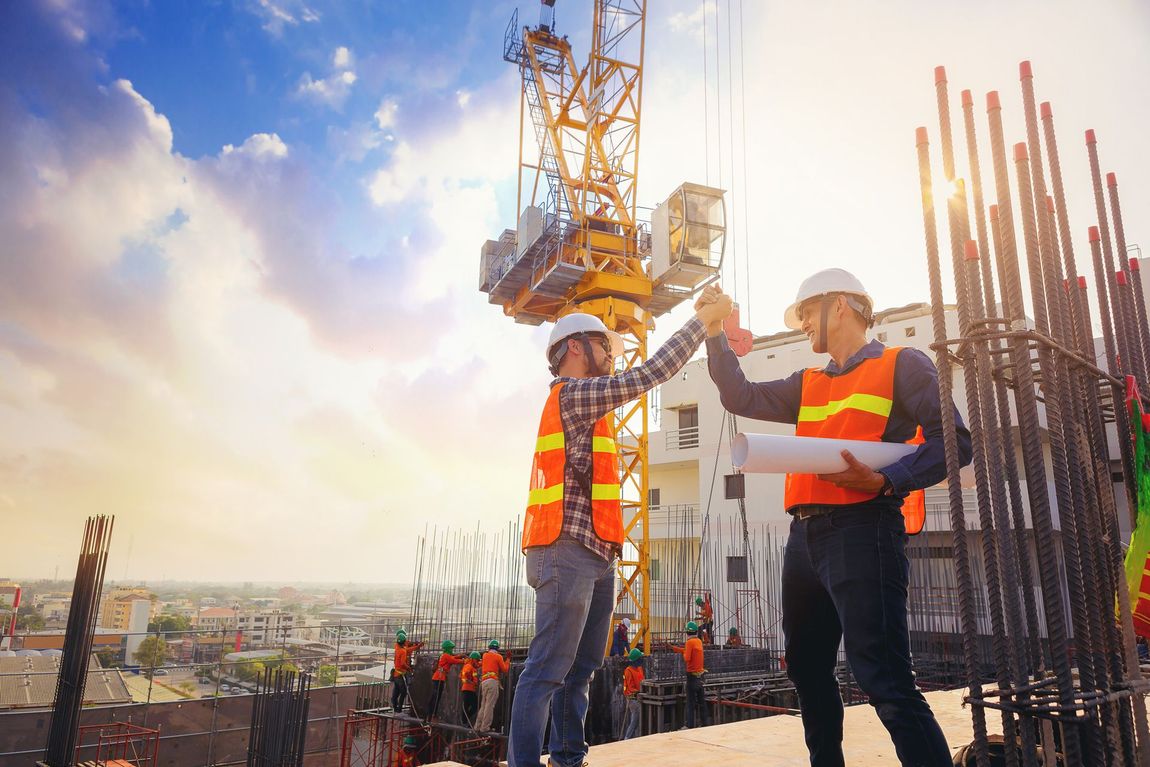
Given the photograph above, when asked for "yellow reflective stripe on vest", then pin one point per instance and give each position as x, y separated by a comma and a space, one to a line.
550, 442
545, 495
603, 445
867, 403
605, 492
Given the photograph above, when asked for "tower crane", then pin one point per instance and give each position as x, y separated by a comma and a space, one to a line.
581, 244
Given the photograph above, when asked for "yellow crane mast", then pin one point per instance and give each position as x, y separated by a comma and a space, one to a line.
580, 243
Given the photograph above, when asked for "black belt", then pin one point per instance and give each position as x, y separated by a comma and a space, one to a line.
811, 510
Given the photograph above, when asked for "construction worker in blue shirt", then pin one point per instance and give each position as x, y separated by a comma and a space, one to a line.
845, 569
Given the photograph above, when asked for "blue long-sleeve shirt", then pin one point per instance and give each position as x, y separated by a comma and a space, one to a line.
916, 403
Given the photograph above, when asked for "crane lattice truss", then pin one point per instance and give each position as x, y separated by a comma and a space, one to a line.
590, 251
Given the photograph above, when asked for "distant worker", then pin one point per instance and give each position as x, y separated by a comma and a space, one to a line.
469, 688
621, 641
494, 665
733, 638
845, 569
632, 681
407, 757
692, 652
705, 618
573, 526
447, 659
401, 670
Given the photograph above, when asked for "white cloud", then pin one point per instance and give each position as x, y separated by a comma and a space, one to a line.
692, 22
261, 146
385, 115
279, 14
462, 97
334, 89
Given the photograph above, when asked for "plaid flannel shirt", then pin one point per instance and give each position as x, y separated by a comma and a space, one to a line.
584, 401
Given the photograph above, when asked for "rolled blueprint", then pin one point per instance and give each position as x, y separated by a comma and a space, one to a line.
777, 454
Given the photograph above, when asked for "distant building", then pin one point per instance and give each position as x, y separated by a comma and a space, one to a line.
29, 681
8, 591
116, 610
181, 607
54, 607
259, 627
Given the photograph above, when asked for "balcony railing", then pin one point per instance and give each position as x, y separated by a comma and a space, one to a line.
682, 439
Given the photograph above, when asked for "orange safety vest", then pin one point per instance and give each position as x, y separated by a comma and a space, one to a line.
403, 657
854, 405
469, 676
494, 664
443, 665
632, 680
543, 521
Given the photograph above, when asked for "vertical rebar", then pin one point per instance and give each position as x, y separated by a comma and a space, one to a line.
996, 424
1136, 338
1060, 470
950, 440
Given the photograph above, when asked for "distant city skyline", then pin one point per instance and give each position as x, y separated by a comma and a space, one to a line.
240, 242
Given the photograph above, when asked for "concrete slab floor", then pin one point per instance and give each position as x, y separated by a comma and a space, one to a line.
777, 741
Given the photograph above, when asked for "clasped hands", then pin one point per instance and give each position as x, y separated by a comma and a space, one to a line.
712, 307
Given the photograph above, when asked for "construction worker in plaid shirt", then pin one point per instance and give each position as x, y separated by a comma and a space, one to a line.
573, 527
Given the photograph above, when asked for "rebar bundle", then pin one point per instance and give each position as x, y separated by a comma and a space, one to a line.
1073, 665
64, 730
278, 728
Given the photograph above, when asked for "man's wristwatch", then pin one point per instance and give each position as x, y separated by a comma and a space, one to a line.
887, 486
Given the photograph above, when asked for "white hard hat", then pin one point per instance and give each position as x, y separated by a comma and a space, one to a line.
577, 323
627, 622
826, 282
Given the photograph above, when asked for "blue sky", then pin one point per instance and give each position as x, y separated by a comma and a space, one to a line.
239, 240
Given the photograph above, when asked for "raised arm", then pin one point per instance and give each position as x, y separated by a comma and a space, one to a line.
767, 401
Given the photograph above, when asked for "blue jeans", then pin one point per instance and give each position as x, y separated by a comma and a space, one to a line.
631, 717
845, 575
574, 598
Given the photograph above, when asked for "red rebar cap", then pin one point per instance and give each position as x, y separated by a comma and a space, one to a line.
992, 101
1121, 277
971, 250
1044, 110
1090, 138
939, 75
1111, 179
920, 136
1024, 70
1082, 282
1094, 236
967, 99
1135, 266
1020, 151
1050, 203
994, 211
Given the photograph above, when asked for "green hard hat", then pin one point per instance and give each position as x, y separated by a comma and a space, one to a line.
733, 631
410, 741
635, 654
493, 644
699, 601
475, 655
448, 645
401, 634
692, 627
